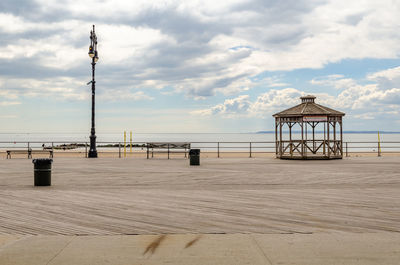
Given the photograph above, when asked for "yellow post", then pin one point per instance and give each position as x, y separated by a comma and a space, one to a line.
131, 143
124, 143
379, 145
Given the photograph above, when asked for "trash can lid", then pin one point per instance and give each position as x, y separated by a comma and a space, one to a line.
42, 161
194, 152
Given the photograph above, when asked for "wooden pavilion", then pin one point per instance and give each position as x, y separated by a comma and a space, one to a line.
310, 140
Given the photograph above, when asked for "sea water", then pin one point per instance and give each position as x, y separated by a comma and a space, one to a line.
238, 141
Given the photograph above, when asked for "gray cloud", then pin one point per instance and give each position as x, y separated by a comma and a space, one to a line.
192, 51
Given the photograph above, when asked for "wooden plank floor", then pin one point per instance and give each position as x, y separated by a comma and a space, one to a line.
229, 195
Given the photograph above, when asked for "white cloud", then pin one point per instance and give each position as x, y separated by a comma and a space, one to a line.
58, 88
9, 103
230, 107
354, 98
203, 47
336, 81
122, 95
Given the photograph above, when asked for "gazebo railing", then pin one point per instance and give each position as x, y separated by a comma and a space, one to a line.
314, 147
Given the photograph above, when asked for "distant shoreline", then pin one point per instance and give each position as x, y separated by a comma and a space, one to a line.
143, 133
345, 132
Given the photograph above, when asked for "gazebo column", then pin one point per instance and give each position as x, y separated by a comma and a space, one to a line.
334, 138
324, 151
341, 137
302, 139
276, 137
280, 138
329, 144
290, 139
313, 137
305, 143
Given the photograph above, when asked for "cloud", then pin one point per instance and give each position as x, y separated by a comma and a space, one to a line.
9, 103
198, 48
57, 88
230, 107
383, 97
121, 95
336, 81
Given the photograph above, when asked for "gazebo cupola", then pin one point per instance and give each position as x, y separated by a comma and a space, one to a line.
309, 131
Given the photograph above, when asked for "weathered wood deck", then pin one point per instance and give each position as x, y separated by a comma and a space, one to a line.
231, 195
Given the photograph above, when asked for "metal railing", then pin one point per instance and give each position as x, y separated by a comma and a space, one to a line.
251, 149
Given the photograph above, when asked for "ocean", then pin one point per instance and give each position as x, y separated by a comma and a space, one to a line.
201, 140
180, 137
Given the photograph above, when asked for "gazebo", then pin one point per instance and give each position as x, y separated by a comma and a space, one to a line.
319, 133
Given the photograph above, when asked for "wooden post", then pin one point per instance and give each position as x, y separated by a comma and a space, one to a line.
329, 144
302, 139
313, 136
334, 138
341, 137
147, 145
119, 150
290, 139
218, 149
347, 154
168, 151
280, 138
86, 154
324, 139
306, 131
276, 136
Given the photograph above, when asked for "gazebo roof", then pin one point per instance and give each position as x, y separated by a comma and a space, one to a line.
308, 107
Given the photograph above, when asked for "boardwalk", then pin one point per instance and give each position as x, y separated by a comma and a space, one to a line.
109, 196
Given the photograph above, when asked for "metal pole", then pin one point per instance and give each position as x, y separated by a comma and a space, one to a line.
218, 149
124, 144
250, 149
130, 142
86, 153
379, 145
92, 150
168, 151
347, 154
119, 150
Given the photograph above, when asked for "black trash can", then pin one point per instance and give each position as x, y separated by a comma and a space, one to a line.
42, 169
194, 155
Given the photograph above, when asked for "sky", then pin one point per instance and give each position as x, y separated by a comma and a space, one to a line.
196, 66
